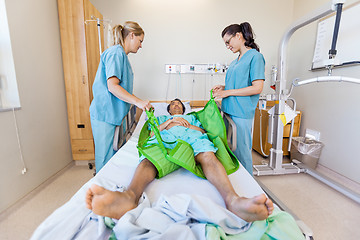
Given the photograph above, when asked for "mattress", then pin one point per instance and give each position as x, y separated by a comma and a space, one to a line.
74, 219
123, 164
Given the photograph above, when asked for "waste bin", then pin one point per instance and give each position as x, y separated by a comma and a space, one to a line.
306, 151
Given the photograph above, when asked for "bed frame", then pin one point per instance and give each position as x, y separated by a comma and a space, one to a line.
125, 130
81, 223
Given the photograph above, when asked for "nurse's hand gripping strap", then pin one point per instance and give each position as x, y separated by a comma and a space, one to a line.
154, 128
231, 135
182, 154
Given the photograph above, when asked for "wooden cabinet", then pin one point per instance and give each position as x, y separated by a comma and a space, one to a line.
264, 117
80, 55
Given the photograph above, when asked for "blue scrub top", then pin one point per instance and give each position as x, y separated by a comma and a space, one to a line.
240, 74
105, 106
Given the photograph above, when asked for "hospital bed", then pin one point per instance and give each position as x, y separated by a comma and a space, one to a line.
74, 221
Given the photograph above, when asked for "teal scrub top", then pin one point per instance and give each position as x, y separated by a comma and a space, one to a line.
240, 74
105, 106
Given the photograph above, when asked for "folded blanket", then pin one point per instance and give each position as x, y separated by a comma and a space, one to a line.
183, 216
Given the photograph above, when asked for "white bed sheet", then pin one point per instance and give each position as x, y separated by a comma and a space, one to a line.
126, 160
74, 219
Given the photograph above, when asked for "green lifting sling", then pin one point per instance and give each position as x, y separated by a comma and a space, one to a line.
168, 160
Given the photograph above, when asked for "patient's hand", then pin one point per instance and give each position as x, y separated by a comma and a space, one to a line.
197, 129
177, 121
190, 126
170, 125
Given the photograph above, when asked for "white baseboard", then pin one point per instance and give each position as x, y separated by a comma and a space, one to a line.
24, 199
355, 186
84, 162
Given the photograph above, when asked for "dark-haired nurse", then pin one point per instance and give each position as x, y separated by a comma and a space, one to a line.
243, 84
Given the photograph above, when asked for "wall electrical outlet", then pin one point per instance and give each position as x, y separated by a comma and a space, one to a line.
196, 68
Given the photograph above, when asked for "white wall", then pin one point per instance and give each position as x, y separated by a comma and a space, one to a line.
8, 88
331, 108
190, 32
42, 119
176, 32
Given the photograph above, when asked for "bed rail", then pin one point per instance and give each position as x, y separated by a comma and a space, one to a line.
124, 131
230, 128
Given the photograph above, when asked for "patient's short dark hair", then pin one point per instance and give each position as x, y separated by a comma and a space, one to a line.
176, 99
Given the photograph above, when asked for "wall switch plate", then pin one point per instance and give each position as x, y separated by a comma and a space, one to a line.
312, 134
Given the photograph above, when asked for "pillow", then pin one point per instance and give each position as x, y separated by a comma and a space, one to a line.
161, 108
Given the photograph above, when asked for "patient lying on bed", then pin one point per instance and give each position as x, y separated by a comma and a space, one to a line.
115, 204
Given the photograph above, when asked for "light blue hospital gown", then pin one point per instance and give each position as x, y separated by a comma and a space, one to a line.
198, 141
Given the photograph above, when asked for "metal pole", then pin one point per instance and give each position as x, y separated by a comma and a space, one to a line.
276, 153
332, 51
99, 34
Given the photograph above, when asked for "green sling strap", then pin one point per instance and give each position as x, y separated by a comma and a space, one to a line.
109, 223
168, 160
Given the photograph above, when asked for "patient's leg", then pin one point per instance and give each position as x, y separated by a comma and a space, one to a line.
115, 204
249, 209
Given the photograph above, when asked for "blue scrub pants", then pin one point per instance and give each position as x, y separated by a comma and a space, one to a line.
244, 142
103, 138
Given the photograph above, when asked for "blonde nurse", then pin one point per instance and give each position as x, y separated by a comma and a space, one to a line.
112, 90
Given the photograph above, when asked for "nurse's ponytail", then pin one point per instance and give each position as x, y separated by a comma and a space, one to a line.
246, 30
120, 32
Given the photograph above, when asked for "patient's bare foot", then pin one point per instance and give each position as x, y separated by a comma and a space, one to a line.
251, 209
108, 203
